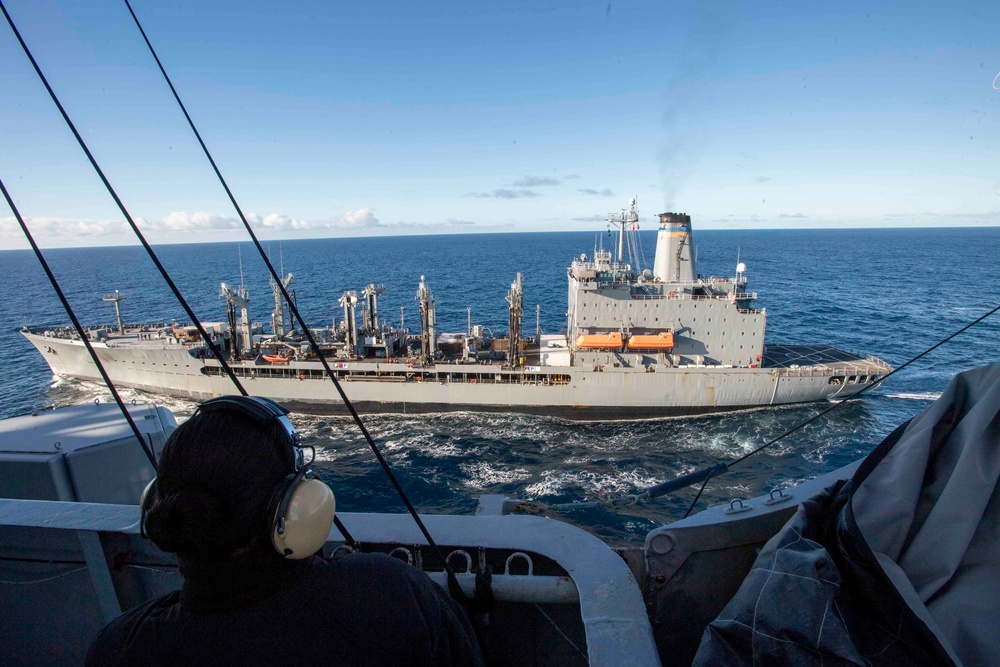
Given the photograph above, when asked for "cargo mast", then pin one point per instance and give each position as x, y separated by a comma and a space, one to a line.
515, 298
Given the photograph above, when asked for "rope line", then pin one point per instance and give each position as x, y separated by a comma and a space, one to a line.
865, 388
720, 468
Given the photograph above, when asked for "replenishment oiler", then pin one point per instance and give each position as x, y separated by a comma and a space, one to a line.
638, 343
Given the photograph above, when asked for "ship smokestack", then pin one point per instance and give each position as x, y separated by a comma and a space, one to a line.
675, 257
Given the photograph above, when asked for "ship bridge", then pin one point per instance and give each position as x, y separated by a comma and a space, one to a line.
670, 313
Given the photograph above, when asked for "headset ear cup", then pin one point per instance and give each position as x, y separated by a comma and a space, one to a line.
145, 500
308, 517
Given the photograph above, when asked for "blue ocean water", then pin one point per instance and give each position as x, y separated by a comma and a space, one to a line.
890, 293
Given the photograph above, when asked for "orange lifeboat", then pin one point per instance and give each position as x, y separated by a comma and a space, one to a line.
275, 358
661, 341
608, 341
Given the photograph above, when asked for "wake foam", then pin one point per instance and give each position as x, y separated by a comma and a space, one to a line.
917, 396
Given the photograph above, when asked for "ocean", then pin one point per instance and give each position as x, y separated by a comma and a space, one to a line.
887, 292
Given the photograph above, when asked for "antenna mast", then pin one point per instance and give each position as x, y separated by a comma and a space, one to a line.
117, 298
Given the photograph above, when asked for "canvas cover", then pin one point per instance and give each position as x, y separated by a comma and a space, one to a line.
900, 565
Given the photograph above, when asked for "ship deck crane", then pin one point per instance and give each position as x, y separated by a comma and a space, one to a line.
278, 316
515, 297
428, 323
240, 327
349, 301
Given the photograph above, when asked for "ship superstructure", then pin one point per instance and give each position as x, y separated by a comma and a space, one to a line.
638, 343
665, 317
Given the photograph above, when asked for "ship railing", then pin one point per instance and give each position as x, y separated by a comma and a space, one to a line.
430, 375
848, 369
602, 266
675, 295
547, 562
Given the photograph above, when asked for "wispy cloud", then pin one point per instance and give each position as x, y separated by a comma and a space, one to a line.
598, 193
571, 177
763, 179
590, 218
534, 181
504, 193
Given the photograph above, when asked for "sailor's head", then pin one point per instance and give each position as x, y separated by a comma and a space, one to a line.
227, 478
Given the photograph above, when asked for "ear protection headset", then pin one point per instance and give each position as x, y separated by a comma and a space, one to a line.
300, 512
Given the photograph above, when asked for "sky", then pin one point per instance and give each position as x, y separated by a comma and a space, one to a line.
390, 118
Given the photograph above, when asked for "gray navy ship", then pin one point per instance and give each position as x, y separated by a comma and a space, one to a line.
638, 343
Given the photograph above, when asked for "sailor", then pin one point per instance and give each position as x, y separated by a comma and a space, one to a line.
234, 500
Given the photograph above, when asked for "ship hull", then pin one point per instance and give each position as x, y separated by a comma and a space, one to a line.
397, 387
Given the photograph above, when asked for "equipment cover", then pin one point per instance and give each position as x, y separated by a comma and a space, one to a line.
900, 565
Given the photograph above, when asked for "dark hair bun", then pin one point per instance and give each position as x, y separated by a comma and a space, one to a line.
190, 521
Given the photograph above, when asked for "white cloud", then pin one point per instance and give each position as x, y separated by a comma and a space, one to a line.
181, 225
180, 221
363, 218
57, 228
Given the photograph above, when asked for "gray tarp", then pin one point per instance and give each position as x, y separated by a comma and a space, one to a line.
901, 565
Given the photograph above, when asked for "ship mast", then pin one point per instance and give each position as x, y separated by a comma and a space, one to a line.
238, 299
428, 323
370, 313
278, 316
117, 298
515, 298
349, 300
626, 221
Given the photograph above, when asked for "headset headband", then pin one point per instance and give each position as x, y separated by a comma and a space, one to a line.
264, 411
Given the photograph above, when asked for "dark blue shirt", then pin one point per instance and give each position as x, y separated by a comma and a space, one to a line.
358, 610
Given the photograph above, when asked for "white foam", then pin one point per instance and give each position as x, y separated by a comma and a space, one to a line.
482, 475
605, 484
917, 396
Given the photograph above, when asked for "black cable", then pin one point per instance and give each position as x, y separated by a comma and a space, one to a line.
716, 469
697, 496
121, 207
863, 389
79, 327
56, 561
452, 580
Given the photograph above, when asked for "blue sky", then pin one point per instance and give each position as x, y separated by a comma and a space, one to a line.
334, 119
